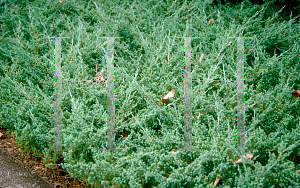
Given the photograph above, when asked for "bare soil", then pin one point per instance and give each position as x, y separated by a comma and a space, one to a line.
19, 170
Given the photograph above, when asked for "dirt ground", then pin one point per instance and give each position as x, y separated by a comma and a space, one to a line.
18, 170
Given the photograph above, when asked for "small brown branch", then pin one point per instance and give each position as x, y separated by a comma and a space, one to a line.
148, 96
208, 110
270, 179
111, 160
104, 20
151, 140
228, 93
29, 97
64, 103
42, 82
281, 154
156, 60
34, 31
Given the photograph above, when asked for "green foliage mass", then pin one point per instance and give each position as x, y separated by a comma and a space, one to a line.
149, 59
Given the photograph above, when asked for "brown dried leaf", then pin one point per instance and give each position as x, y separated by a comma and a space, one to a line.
229, 43
201, 58
279, 102
123, 134
164, 99
296, 93
249, 50
99, 77
102, 71
249, 156
217, 180
170, 95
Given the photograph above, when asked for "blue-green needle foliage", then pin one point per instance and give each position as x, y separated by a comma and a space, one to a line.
149, 61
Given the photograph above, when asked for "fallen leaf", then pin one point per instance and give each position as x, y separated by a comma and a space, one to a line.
123, 134
280, 102
166, 98
211, 21
249, 50
217, 180
296, 93
102, 71
249, 156
229, 43
99, 77
201, 58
